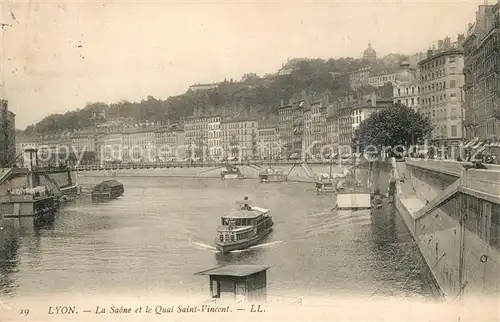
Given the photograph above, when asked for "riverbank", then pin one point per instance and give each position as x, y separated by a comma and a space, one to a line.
298, 173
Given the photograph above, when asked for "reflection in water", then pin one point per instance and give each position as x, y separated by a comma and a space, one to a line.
9, 260
156, 237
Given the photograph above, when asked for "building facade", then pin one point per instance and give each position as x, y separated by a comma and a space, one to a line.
285, 116
110, 146
196, 136
7, 134
381, 79
240, 138
353, 111
441, 94
270, 143
213, 140
406, 87
138, 144
83, 142
308, 130
170, 144
359, 77
482, 75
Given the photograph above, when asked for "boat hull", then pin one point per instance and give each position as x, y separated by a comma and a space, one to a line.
226, 247
231, 176
271, 178
326, 187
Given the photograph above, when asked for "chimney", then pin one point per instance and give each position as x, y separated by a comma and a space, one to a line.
282, 103
440, 44
430, 52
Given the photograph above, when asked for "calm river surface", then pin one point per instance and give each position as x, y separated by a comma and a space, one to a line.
161, 232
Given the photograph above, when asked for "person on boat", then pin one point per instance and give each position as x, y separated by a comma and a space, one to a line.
246, 206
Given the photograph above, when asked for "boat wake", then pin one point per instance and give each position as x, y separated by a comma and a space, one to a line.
212, 248
204, 246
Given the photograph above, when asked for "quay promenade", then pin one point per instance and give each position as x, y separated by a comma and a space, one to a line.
187, 164
300, 172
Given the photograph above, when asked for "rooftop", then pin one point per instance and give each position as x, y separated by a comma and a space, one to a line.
235, 270
245, 214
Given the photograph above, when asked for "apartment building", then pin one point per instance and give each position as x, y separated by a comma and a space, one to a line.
318, 124
481, 71
359, 77
285, 117
269, 142
353, 111
381, 79
110, 146
7, 134
240, 138
170, 143
83, 142
406, 87
213, 139
196, 136
25, 142
138, 144
441, 94
308, 130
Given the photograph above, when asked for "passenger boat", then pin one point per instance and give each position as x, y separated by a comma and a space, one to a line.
230, 172
107, 190
325, 183
272, 175
243, 227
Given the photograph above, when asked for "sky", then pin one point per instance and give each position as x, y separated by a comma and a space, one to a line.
59, 55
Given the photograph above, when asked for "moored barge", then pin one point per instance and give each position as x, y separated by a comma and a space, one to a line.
272, 175
244, 227
107, 190
231, 172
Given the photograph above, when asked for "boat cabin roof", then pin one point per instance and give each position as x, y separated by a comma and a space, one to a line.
235, 270
109, 183
245, 214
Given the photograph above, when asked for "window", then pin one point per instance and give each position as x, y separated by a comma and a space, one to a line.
453, 131
452, 84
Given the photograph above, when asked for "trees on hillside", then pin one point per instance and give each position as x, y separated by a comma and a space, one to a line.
263, 95
399, 126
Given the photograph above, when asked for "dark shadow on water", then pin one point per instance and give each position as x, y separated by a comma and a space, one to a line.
9, 260
244, 257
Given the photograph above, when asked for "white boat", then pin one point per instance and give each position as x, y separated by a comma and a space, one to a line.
243, 227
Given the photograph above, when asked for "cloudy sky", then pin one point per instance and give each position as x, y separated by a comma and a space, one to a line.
58, 55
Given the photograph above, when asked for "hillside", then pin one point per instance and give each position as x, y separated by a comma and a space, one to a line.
254, 95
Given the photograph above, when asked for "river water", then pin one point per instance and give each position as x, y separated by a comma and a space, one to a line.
153, 240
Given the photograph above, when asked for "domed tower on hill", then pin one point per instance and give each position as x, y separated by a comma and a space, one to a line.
369, 53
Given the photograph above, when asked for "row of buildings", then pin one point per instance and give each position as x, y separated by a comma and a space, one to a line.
307, 126
455, 84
